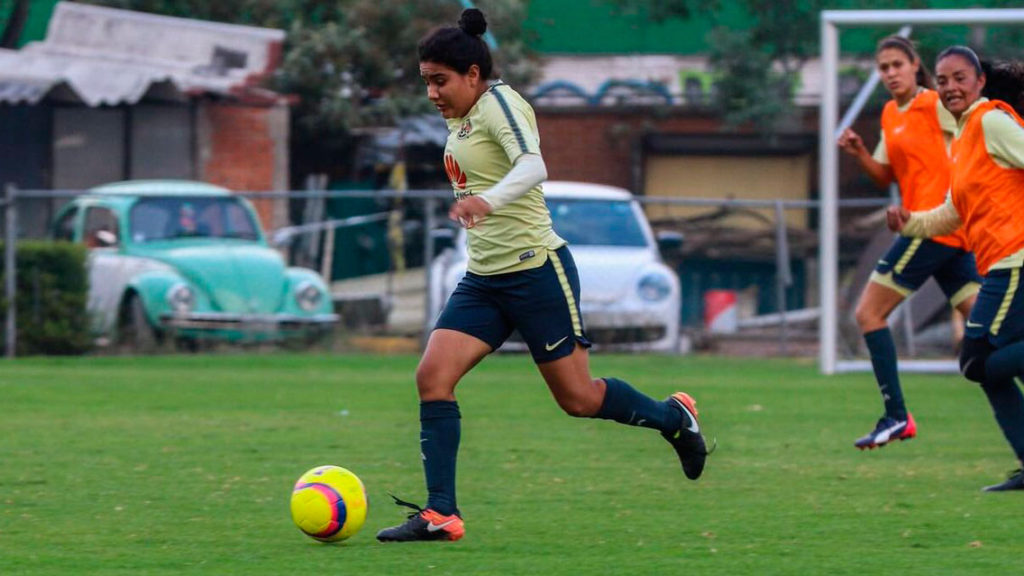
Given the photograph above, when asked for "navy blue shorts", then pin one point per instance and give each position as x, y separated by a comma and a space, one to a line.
542, 303
911, 261
998, 314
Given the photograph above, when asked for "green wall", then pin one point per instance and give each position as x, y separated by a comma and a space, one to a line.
39, 12
595, 27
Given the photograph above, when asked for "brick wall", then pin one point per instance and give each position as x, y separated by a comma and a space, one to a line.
240, 147
599, 146
595, 145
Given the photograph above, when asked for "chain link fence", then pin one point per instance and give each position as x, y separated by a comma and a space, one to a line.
375, 250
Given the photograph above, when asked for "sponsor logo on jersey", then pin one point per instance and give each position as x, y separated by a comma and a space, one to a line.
455, 173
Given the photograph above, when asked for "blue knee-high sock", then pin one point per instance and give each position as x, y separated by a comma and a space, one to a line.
624, 404
1001, 370
1006, 363
883, 360
440, 432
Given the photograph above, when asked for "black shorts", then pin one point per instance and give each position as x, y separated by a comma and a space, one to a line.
998, 314
542, 303
911, 261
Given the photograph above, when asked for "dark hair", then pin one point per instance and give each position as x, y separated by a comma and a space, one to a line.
924, 78
965, 53
461, 47
1005, 81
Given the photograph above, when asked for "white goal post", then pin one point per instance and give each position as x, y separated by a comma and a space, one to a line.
828, 168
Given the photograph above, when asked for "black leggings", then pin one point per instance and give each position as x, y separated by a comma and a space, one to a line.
974, 352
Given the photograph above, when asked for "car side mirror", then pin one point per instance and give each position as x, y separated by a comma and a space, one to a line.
670, 241
105, 238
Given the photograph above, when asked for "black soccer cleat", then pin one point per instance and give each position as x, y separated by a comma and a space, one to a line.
1014, 482
424, 524
687, 441
888, 430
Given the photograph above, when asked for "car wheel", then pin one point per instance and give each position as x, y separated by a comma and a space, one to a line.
137, 334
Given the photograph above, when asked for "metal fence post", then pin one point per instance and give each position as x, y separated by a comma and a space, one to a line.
783, 274
10, 280
430, 222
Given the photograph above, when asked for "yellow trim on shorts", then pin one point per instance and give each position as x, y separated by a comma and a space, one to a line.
907, 255
1004, 306
965, 292
887, 281
577, 326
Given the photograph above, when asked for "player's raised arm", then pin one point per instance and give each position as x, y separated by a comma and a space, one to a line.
851, 143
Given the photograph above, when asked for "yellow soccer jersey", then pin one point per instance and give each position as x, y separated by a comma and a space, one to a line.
481, 149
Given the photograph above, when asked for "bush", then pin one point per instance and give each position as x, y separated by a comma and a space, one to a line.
51, 295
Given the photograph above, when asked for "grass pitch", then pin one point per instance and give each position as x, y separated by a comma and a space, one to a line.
184, 465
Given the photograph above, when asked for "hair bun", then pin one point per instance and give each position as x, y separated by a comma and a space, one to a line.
472, 22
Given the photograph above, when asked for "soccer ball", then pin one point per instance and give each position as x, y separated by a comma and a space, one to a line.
329, 503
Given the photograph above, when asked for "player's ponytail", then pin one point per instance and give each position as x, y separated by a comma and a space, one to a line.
1005, 81
460, 47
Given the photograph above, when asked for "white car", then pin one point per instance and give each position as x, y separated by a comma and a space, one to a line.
629, 298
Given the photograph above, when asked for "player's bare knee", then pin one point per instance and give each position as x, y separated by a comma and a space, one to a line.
577, 409
581, 405
867, 318
431, 381
423, 374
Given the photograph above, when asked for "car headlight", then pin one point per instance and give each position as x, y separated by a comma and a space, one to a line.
654, 287
308, 296
181, 299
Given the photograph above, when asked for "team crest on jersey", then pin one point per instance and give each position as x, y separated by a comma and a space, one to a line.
467, 127
455, 173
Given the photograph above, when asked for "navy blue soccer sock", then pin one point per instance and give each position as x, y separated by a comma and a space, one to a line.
1000, 386
440, 432
1006, 363
624, 404
883, 360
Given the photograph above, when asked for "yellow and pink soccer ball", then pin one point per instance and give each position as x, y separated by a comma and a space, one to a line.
329, 503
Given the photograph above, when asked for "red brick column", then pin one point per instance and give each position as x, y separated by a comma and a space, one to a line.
244, 148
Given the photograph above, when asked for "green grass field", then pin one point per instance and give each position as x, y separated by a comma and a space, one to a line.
184, 465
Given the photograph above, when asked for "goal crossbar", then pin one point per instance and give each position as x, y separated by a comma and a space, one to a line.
828, 154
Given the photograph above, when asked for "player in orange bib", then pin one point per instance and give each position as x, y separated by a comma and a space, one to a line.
913, 151
986, 202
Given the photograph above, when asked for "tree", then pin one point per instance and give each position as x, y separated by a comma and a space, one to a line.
757, 67
352, 63
15, 14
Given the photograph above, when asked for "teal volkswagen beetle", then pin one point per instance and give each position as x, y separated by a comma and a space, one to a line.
188, 260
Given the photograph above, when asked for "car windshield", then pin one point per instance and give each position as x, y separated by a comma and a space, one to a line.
596, 222
172, 217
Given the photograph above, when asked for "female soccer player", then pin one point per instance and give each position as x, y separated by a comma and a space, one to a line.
912, 151
521, 277
985, 199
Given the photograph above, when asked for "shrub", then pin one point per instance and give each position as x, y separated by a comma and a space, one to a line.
51, 296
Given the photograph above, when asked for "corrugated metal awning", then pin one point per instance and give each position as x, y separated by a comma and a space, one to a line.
102, 56
24, 90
